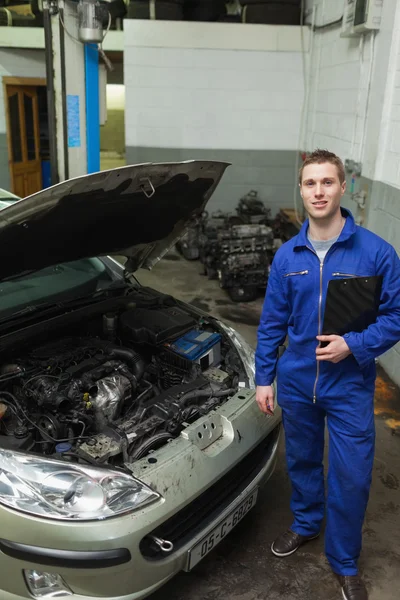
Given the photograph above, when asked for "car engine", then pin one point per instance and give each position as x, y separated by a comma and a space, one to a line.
209, 249
238, 249
252, 210
246, 253
115, 395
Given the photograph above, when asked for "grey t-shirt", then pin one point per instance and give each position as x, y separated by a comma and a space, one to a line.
322, 247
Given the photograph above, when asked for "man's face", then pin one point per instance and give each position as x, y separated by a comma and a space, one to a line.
321, 190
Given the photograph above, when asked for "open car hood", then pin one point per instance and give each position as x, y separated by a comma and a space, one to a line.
137, 211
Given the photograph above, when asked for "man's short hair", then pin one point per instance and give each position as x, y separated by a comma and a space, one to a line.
320, 157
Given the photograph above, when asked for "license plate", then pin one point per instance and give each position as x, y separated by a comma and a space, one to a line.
202, 548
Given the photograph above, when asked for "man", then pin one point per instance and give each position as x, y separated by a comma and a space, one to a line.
334, 381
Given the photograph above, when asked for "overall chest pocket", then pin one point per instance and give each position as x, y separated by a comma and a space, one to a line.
344, 271
296, 273
299, 284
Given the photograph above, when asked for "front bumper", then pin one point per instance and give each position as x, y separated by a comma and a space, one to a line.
191, 473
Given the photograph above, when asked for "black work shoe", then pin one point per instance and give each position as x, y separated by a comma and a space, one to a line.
288, 542
353, 587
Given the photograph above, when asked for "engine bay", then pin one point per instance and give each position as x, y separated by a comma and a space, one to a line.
114, 388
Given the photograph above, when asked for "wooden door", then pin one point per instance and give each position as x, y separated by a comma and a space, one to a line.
24, 139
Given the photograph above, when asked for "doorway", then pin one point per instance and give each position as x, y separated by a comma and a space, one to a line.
27, 133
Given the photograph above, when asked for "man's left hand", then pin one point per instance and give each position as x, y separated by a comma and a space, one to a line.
335, 351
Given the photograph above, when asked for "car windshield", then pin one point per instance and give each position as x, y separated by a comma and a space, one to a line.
61, 282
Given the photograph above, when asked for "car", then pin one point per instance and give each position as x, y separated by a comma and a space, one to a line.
130, 440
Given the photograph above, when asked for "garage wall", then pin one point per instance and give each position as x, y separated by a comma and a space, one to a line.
338, 86
16, 63
354, 110
112, 133
223, 94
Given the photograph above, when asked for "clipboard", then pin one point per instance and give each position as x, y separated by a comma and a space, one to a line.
352, 304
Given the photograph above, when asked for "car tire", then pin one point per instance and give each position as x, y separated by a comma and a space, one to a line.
271, 14
164, 11
243, 294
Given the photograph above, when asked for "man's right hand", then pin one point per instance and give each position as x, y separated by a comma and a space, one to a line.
265, 398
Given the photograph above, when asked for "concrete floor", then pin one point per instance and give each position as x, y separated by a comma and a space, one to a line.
242, 566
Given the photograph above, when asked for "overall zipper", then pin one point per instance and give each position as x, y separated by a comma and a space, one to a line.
296, 273
321, 266
344, 275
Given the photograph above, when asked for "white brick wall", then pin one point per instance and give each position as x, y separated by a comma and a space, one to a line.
19, 63
327, 10
211, 98
355, 92
389, 166
338, 86
355, 112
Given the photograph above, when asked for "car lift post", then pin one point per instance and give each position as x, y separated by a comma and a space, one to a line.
72, 72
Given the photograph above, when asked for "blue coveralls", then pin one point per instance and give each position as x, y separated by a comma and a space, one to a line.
341, 393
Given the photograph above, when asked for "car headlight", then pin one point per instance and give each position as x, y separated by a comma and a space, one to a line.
58, 490
245, 351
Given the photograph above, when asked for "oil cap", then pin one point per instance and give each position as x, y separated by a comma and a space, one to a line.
63, 447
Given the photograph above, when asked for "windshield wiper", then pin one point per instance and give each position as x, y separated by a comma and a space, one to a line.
19, 275
72, 303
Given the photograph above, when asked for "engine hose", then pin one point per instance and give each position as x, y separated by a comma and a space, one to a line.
42, 431
194, 394
13, 399
191, 410
223, 393
205, 393
135, 361
12, 408
145, 392
139, 398
131, 378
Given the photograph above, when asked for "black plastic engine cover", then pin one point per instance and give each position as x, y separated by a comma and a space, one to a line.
155, 325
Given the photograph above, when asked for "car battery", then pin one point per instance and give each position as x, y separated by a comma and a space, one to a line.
201, 347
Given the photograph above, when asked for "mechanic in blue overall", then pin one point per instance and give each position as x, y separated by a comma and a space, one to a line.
334, 382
